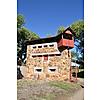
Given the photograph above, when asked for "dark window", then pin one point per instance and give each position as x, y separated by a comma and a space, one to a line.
38, 70
58, 54
33, 56
39, 46
51, 45
40, 56
45, 46
34, 47
52, 55
67, 36
52, 70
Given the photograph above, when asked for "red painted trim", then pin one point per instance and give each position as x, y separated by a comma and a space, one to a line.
45, 58
66, 42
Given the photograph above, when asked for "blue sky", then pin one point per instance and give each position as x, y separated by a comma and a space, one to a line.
46, 16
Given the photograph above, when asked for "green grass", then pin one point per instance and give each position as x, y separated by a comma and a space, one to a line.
49, 97
67, 87
64, 85
23, 83
43, 97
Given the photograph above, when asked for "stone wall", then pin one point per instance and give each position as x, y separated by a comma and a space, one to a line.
61, 62
44, 50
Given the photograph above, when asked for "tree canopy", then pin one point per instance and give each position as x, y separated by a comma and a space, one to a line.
78, 28
23, 34
20, 21
60, 29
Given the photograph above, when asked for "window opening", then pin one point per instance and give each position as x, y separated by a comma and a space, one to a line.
34, 47
33, 56
52, 69
51, 45
45, 46
38, 70
39, 46
67, 36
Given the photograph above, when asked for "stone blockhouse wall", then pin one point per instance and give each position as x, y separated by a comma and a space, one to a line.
44, 50
60, 62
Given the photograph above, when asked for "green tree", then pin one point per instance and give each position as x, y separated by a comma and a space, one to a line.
20, 21
74, 54
78, 28
23, 34
60, 29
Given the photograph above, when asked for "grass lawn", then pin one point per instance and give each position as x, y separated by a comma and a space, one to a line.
64, 85
44, 90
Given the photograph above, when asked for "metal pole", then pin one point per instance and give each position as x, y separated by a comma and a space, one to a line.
76, 67
70, 71
69, 64
76, 73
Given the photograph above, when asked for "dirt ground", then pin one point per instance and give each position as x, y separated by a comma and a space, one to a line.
79, 95
45, 90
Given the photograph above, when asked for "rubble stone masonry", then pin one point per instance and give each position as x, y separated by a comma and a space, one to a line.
56, 67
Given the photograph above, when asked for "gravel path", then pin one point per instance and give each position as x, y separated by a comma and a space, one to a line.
79, 95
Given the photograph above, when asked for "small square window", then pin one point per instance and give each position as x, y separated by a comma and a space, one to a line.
33, 56
39, 55
39, 46
51, 45
45, 46
34, 47
67, 36
52, 69
38, 70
